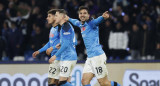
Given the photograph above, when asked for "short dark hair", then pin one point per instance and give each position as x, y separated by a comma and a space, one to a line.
62, 11
52, 11
83, 7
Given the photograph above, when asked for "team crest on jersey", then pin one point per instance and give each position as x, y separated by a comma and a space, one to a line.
51, 35
83, 29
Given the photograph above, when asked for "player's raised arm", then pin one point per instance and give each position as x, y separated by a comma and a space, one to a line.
99, 20
75, 22
105, 15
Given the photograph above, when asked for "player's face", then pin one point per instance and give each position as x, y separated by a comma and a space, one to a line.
83, 15
50, 18
58, 17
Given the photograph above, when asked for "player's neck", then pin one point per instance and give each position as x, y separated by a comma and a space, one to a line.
54, 24
62, 22
82, 22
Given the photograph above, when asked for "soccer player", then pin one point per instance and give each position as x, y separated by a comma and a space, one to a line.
95, 64
67, 49
50, 48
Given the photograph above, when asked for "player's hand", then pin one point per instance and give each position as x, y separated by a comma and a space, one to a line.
49, 50
105, 15
58, 46
35, 54
66, 18
52, 59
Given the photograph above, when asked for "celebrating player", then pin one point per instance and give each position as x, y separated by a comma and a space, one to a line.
50, 48
95, 64
67, 49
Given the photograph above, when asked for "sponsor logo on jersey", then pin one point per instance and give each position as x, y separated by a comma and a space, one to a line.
66, 33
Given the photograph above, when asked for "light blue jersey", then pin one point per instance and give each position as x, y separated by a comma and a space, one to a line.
68, 42
54, 39
90, 34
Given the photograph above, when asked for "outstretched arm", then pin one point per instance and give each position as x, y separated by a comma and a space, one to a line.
98, 20
75, 22
105, 15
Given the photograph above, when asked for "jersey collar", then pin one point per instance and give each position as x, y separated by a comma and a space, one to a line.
89, 19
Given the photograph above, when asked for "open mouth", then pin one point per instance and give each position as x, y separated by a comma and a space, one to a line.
83, 18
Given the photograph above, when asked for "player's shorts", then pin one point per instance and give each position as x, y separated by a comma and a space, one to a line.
66, 68
54, 70
97, 66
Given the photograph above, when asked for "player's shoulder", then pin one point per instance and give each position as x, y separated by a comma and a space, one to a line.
52, 28
59, 28
56, 27
89, 21
66, 26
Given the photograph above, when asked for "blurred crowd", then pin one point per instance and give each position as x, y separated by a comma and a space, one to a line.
131, 33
